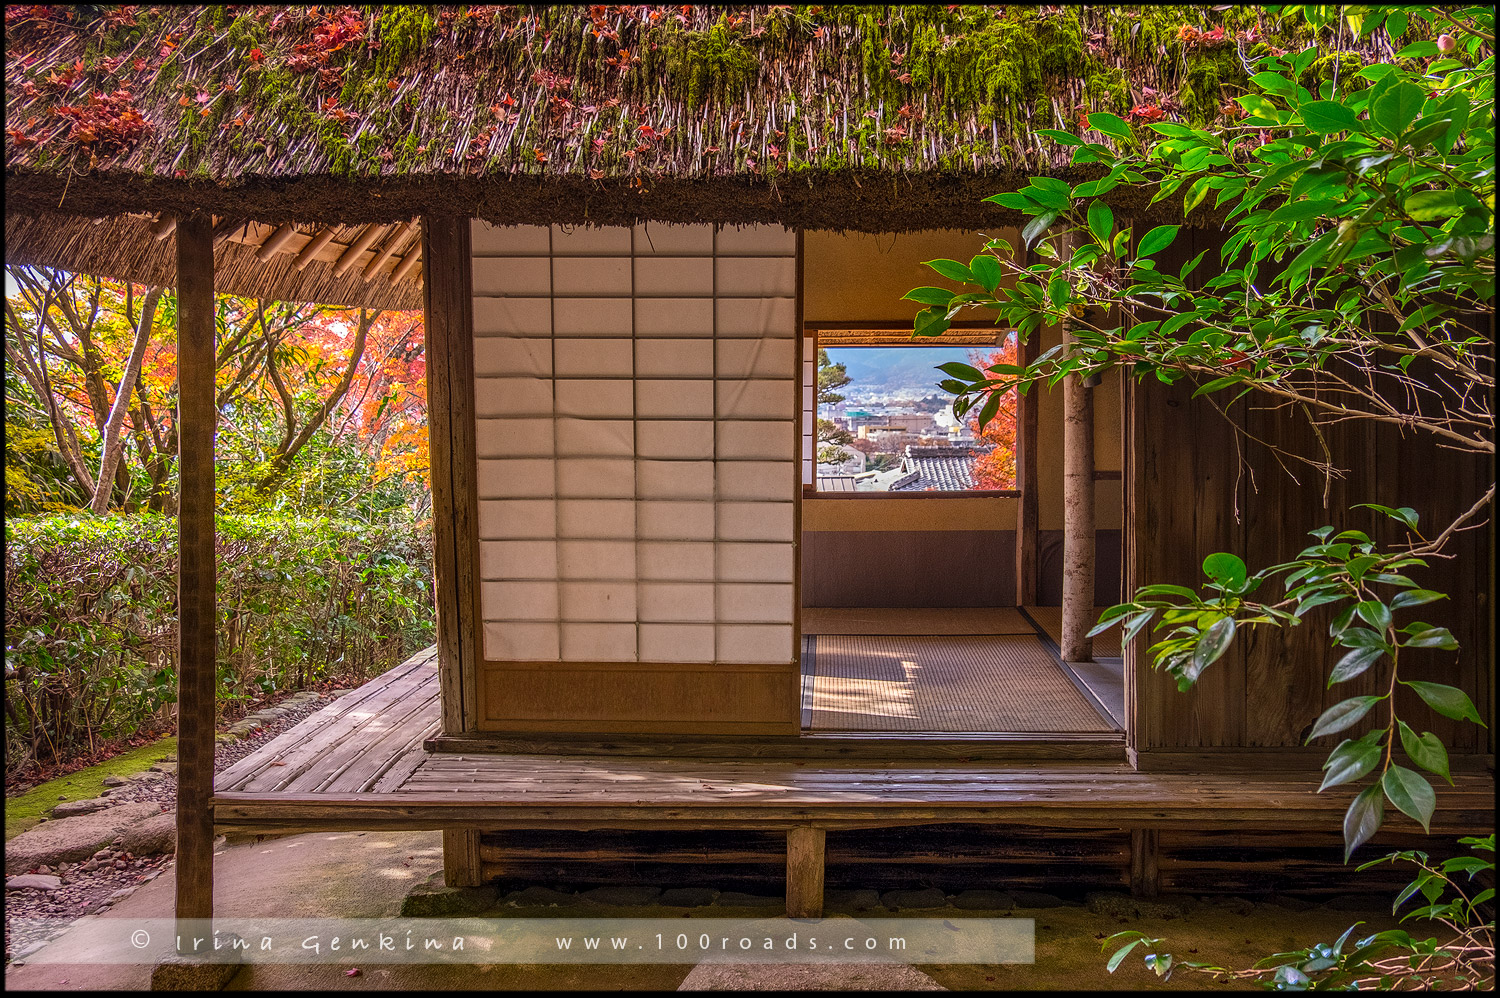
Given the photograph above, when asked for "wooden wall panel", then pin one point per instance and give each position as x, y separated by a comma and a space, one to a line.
1107, 567
1196, 484
625, 697
918, 568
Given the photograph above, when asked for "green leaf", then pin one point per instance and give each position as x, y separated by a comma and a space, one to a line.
961, 370
1405, 514
1426, 206
1050, 192
1157, 239
1066, 138
930, 322
1426, 750
1418, 50
1059, 292
1411, 794
1415, 597
1432, 637
1354, 663
1101, 222
1446, 700
1344, 714
1109, 124
1226, 569
1326, 117
1362, 820
1362, 637
986, 270
1398, 107
1374, 613
1211, 646
1351, 760
1274, 84
1036, 227
1120, 955
930, 296
951, 269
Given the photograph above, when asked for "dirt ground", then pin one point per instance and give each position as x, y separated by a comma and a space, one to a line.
366, 875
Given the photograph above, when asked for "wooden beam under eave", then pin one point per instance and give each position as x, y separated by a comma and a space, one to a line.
313, 248
196, 612
274, 242
410, 260
388, 249
365, 241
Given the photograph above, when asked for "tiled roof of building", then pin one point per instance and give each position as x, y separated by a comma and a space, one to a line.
938, 469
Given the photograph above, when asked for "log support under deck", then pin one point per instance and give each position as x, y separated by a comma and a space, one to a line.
1145, 880
196, 633
461, 864
805, 848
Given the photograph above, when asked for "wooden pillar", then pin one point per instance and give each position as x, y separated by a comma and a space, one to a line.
448, 322
196, 617
461, 860
449, 328
1144, 879
1026, 479
804, 871
1078, 517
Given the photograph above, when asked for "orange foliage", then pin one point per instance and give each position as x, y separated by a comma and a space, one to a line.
996, 469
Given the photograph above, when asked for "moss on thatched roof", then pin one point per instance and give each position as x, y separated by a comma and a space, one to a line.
603, 113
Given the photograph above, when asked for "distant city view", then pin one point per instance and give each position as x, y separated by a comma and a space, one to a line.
894, 430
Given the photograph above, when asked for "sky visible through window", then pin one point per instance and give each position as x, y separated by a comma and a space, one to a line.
894, 429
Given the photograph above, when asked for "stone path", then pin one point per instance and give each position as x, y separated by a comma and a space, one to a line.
91, 854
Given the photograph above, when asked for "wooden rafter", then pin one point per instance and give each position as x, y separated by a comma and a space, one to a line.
388, 249
313, 248
274, 242
365, 241
409, 261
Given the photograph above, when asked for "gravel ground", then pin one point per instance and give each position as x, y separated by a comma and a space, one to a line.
117, 874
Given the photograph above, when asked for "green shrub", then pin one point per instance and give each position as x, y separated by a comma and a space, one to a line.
91, 608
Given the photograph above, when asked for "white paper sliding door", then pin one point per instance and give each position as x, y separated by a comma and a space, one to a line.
637, 419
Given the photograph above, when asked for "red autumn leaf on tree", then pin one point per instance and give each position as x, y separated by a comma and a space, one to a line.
997, 468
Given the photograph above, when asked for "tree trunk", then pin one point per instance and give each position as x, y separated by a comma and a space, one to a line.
1078, 518
109, 460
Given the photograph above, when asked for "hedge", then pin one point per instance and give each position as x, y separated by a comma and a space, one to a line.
91, 609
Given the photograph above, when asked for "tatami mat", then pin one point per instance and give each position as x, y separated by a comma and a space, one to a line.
965, 683
1106, 645
914, 620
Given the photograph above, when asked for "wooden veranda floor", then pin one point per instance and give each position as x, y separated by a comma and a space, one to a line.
360, 764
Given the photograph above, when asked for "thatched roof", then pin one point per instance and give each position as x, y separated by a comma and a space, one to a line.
871, 118
377, 266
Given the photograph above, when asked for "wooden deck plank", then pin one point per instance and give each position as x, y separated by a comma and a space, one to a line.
352, 727
361, 764
236, 775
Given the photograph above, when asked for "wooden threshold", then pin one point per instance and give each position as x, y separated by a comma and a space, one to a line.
1039, 747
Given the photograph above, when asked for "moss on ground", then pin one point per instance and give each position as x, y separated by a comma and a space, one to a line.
26, 810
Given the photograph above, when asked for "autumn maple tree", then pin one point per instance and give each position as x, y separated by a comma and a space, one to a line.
995, 468
302, 390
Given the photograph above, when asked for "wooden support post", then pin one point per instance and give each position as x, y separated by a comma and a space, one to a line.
461, 862
1078, 517
804, 871
1144, 880
448, 314
196, 617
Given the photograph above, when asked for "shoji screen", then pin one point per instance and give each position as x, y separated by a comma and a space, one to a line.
637, 409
